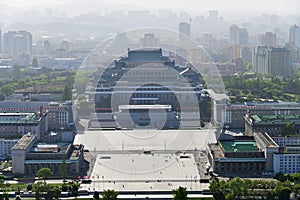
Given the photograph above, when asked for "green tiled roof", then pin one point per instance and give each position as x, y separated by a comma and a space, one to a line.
278, 119
19, 118
232, 146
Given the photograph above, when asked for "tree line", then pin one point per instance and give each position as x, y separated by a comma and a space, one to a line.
253, 87
238, 188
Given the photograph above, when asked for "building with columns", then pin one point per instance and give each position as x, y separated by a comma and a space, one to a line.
28, 156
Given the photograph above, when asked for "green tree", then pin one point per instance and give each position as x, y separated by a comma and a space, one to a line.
67, 94
237, 187
180, 193
96, 195
217, 188
284, 193
35, 62
40, 189
109, 195
29, 187
44, 173
297, 189
56, 191
7, 89
289, 129
63, 169
16, 72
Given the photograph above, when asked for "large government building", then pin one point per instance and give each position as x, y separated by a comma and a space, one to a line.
145, 89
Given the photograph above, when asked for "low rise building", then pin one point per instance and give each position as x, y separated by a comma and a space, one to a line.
60, 114
19, 151
5, 147
61, 63
15, 124
233, 114
237, 156
28, 157
266, 144
288, 160
272, 124
282, 141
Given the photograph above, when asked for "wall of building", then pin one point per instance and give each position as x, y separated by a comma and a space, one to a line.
286, 163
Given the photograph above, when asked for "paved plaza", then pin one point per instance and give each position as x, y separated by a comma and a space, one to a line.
146, 160
146, 139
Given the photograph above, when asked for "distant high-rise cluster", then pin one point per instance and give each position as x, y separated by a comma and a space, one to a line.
238, 36
149, 40
185, 28
294, 35
18, 44
268, 39
272, 60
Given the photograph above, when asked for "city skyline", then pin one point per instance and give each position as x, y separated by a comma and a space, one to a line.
277, 6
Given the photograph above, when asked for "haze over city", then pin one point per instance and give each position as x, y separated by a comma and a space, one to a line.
150, 99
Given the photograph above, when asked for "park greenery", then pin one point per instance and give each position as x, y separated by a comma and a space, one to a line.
180, 193
109, 195
241, 87
253, 87
44, 173
238, 188
42, 80
26, 80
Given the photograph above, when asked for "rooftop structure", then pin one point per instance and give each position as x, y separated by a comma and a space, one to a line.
236, 156
239, 146
233, 114
28, 156
272, 124
59, 114
15, 124
25, 142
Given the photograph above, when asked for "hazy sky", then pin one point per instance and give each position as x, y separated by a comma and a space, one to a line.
292, 6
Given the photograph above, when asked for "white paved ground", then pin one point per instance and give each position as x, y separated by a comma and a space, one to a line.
146, 139
118, 166
144, 172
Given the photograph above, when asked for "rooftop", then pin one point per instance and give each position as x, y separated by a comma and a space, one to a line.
24, 142
127, 107
19, 117
59, 147
265, 139
234, 146
278, 119
154, 55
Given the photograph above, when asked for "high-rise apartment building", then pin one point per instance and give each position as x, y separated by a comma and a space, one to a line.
185, 28
17, 42
294, 35
271, 60
213, 15
149, 40
243, 37
238, 36
234, 34
268, 39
